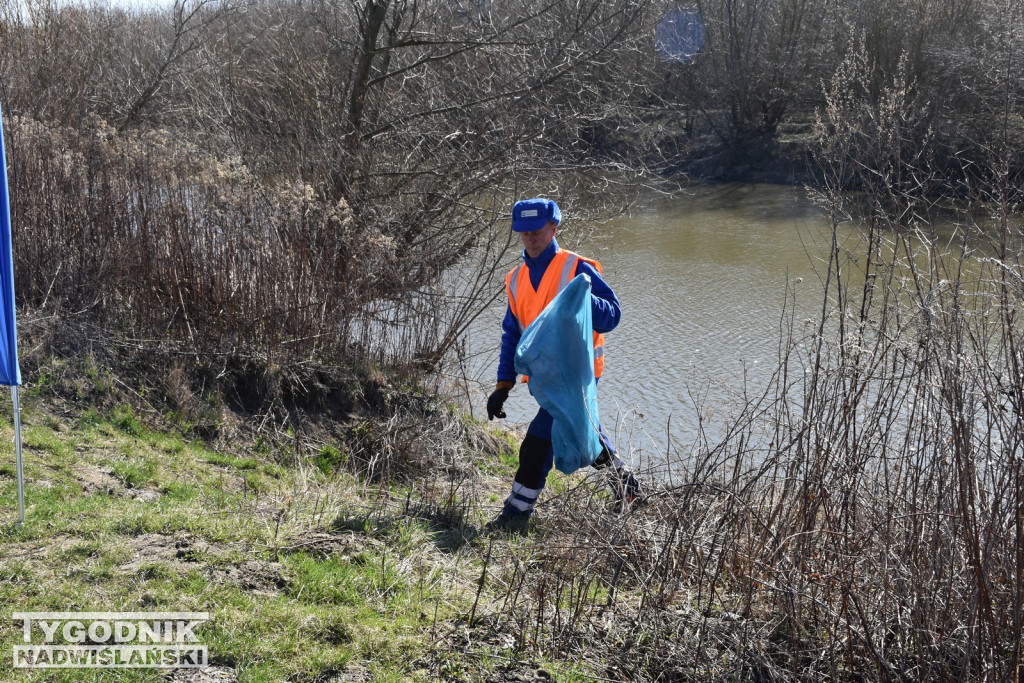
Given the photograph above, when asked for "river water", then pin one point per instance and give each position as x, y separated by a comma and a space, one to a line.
702, 279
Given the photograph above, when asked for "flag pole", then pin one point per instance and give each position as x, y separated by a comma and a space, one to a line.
21, 471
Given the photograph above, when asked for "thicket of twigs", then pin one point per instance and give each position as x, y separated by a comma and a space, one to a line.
863, 518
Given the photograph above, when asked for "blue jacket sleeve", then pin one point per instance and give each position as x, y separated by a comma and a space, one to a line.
604, 305
510, 336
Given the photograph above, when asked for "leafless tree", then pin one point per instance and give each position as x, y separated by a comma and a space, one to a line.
403, 128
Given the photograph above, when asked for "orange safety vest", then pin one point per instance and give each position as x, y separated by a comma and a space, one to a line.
527, 303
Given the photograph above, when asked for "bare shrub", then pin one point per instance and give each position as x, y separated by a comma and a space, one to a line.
165, 242
861, 519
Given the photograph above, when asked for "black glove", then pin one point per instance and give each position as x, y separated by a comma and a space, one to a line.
495, 402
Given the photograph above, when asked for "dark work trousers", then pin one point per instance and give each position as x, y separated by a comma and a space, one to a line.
536, 457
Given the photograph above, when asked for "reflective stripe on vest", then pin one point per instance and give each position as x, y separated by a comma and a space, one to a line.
567, 262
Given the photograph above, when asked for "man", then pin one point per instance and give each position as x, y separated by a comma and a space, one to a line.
531, 286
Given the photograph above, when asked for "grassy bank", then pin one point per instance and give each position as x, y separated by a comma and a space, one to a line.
309, 572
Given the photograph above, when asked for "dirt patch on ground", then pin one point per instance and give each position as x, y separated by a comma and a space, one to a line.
255, 576
212, 674
175, 552
99, 479
182, 553
324, 544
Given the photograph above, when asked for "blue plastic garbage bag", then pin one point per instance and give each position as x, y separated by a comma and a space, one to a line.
557, 352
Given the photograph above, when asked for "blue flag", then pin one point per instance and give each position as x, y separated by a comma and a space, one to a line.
10, 374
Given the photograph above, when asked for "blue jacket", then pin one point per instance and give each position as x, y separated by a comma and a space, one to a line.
604, 308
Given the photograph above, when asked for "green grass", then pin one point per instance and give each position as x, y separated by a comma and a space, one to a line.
232, 461
330, 459
125, 517
124, 418
138, 472
45, 438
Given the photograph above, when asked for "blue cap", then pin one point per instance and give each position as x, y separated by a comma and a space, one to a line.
533, 214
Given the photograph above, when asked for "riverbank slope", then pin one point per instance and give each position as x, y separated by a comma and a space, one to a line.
331, 522
343, 550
